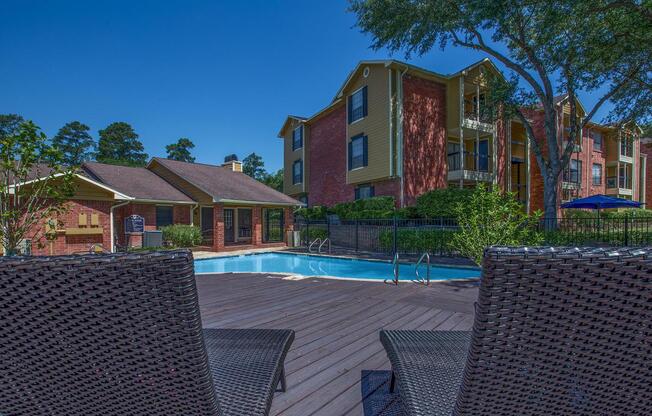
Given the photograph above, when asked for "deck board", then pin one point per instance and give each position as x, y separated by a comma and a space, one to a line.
336, 324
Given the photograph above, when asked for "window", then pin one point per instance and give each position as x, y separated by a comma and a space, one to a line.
358, 152
573, 172
163, 216
597, 174
297, 138
297, 172
597, 140
357, 105
304, 199
364, 192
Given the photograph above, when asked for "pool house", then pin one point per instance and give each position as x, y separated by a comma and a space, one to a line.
233, 210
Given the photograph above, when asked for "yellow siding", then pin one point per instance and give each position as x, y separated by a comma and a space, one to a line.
375, 126
189, 189
290, 157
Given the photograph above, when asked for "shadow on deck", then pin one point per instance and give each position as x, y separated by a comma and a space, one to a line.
336, 324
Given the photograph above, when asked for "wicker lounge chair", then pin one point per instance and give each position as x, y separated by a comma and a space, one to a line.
121, 335
557, 332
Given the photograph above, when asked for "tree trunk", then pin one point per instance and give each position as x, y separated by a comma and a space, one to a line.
550, 203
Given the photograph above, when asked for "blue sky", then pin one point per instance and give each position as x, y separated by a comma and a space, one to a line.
225, 74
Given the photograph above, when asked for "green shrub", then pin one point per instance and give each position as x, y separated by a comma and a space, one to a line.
418, 240
182, 235
491, 217
441, 202
313, 232
371, 208
314, 213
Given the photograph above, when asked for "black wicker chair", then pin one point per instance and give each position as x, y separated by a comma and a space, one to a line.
121, 334
557, 332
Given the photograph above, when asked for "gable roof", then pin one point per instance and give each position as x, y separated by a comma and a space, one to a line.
137, 183
224, 185
287, 122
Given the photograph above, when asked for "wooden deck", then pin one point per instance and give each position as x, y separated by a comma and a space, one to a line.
336, 324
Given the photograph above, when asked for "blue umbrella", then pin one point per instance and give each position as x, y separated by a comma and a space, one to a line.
601, 202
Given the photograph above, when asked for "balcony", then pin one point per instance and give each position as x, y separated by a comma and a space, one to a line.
626, 151
477, 119
476, 167
619, 185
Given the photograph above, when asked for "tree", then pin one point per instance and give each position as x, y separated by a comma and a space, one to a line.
9, 124
254, 166
34, 183
492, 218
75, 143
274, 180
119, 145
548, 48
181, 150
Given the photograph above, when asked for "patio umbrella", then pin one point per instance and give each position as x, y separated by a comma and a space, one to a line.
601, 202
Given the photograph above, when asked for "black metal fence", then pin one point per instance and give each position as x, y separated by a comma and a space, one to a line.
415, 236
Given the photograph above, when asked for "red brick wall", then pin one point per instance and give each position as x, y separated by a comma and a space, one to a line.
257, 226
646, 148
218, 227
327, 160
181, 214
424, 137
78, 243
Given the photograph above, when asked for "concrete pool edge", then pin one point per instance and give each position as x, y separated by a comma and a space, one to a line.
351, 258
295, 276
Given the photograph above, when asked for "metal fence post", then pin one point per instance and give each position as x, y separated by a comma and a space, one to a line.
394, 242
356, 235
307, 231
626, 230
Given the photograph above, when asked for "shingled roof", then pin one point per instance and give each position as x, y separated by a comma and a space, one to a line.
224, 185
138, 183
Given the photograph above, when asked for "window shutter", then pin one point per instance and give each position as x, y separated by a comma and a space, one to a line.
350, 154
301, 171
301, 137
365, 152
372, 191
364, 102
357, 193
349, 106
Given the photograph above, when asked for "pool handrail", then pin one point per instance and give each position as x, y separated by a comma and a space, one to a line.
395, 263
315, 241
322, 244
425, 256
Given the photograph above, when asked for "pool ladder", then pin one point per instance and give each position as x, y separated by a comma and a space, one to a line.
419, 279
395, 266
396, 263
321, 245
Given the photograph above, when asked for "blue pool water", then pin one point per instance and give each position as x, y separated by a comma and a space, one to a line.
325, 266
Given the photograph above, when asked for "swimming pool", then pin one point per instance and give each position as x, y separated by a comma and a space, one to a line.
325, 266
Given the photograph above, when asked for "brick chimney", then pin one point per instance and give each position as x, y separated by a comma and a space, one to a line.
231, 162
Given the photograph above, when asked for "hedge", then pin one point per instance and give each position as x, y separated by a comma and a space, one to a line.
442, 202
413, 240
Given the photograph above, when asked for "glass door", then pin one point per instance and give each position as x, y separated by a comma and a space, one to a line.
229, 235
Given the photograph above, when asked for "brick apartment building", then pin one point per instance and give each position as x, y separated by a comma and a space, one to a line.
233, 210
399, 130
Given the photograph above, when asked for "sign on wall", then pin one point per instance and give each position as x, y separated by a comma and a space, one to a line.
134, 224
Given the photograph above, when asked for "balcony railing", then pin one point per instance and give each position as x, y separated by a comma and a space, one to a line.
472, 161
485, 116
621, 182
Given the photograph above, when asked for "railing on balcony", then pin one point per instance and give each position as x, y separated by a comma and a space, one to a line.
472, 161
619, 182
471, 113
